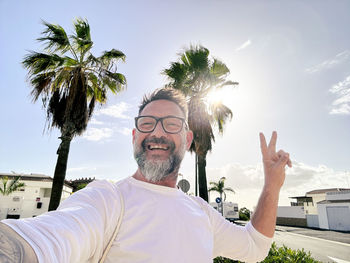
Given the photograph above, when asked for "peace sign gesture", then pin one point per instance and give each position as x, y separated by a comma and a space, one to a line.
274, 162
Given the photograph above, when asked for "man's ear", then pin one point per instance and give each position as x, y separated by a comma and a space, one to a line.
189, 138
133, 135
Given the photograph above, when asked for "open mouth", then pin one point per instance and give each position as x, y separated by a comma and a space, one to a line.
161, 147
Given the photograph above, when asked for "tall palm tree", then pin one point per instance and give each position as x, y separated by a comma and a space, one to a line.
14, 185
221, 189
196, 75
70, 81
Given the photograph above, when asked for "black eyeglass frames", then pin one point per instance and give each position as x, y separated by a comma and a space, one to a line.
170, 124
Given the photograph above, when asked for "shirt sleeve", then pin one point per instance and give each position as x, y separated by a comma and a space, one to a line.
78, 230
242, 243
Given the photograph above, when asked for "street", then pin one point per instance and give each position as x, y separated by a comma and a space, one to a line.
321, 249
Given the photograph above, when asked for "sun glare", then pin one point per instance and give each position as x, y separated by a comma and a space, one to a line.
219, 96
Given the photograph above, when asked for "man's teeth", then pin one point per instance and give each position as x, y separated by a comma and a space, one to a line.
157, 147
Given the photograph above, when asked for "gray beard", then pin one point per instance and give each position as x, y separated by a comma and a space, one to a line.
158, 170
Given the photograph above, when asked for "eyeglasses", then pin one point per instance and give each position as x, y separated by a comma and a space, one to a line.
170, 124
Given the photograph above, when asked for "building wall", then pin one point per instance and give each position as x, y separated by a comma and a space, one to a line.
291, 216
312, 221
24, 203
311, 209
323, 217
343, 195
291, 211
289, 221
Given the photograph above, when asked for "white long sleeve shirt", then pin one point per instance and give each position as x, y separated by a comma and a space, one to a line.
160, 224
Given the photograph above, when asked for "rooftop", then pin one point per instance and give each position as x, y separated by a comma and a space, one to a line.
323, 191
32, 177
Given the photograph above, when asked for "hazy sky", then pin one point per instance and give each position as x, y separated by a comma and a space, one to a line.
291, 58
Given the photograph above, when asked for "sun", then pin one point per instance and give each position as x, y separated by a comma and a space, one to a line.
219, 96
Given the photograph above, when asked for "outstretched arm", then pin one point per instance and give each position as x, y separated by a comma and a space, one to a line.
264, 217
13, 248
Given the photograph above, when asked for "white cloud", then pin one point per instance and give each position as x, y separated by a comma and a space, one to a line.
124, 131
100, 134
97, 134
248, 180
330, 63
342, 104
244, 45
93, 121
116, 111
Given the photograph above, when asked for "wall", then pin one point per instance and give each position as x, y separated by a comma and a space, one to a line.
312, 221
323, 217
26, 204
291, 211
343, 195
289, 221
312, 209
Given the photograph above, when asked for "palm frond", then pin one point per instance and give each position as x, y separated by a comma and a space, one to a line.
115, 54
40, 62
41, 84
62, 78
82, 38
118, 77
229, 189
220, 114
196, 57
55, 37
219, 69
69, 62
15, 184
216, 189
92, 60
4, 181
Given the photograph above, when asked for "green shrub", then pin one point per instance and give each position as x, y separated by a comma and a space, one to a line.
244, 214
279, 255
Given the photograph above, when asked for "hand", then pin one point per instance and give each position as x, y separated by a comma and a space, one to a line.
274, 163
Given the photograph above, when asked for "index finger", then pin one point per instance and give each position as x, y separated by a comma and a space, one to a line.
263, 144
272, 143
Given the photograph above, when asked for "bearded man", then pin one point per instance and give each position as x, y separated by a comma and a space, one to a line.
145, 218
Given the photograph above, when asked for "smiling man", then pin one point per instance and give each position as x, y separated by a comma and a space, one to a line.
158, 222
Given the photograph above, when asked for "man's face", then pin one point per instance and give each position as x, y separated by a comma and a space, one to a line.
159, 153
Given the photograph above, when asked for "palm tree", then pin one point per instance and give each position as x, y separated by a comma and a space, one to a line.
196, 75
70, 81
13, 186
220, 188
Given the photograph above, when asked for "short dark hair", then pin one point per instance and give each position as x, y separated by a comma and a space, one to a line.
166, 94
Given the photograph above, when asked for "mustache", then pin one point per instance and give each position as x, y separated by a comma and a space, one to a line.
158, 140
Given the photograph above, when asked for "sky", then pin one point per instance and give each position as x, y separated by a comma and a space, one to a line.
291, 59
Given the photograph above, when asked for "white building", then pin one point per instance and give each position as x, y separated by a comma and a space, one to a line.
31, 200
334, 212
317, 209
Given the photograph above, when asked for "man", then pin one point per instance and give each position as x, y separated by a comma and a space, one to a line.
160, 223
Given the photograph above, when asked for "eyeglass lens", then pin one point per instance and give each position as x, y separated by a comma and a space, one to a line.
170, 124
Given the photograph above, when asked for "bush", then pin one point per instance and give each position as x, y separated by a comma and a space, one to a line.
244, 214
279, 255
285, 254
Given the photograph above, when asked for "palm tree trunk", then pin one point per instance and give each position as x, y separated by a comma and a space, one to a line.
196, 174
60, 172
202, 178
222, 204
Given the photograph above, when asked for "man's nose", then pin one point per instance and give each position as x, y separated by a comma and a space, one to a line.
158, 130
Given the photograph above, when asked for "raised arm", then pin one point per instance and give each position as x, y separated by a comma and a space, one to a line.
13, 248
264, 217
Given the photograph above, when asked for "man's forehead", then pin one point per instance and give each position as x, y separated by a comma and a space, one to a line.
161, 108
